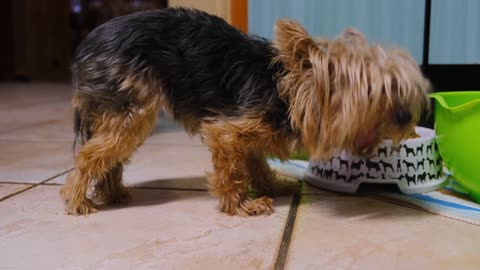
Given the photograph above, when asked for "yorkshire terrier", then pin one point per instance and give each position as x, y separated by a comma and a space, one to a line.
244, 95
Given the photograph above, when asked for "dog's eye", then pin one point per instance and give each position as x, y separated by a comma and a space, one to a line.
402, 117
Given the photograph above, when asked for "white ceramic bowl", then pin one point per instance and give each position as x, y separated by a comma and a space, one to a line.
415, 168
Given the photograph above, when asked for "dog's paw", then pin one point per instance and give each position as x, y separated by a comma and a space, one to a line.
247, 206
256, 207
65, 193
83, 208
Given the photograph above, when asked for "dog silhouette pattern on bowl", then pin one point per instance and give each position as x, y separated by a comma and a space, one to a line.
415, 166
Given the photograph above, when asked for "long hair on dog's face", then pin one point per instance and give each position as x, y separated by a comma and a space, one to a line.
345, 94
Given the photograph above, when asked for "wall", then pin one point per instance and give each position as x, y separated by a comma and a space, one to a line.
220, 8
455, 32
42, 39
7, 49
389, 22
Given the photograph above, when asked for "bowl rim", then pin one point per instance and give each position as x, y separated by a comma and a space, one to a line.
426, 134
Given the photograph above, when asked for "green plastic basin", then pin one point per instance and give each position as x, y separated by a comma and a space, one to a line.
457, 125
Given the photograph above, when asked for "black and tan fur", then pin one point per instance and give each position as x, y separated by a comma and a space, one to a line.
244, 95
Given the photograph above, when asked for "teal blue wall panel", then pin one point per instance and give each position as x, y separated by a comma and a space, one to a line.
455, 32
389, 22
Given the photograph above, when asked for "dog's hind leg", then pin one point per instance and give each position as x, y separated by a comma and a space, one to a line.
115, 136
110, 188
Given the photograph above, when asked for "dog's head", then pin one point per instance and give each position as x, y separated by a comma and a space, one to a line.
345, 94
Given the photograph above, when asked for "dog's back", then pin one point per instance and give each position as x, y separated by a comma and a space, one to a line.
200, 65
214, 79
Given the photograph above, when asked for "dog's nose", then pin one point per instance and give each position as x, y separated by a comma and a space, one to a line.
402, 117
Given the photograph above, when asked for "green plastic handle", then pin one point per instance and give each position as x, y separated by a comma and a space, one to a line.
458, 109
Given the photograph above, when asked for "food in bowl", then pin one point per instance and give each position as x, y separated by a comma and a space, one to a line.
413, 136
415, 166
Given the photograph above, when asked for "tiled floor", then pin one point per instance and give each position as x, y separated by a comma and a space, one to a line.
172, 222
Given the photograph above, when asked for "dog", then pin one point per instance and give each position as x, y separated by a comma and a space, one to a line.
409, 150
354, 177
429, 148
421, 163
382, 150
328, 174
419, 149
372, 165
386, 166
431, 162
340, 176
409, 164
357, 164
439, 172
410, 179
342, 163
245, 96
317, 171
421, 178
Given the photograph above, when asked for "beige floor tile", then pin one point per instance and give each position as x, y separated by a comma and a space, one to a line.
35, 116
166, 166
7, 189
160, 230
61, 130
54, 123
33, 162
342, 232
22, 95
53, 130
23, 106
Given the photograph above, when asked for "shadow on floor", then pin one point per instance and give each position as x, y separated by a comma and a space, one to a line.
162, 191
186, 183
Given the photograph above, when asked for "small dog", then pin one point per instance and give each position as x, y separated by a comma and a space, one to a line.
244, 95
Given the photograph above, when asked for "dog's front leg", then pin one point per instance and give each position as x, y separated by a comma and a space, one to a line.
230, 179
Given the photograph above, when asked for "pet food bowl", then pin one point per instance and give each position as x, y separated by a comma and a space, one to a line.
457, 124
415, 167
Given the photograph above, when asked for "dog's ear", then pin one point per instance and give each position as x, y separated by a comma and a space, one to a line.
293, 44
353, 36
305, 79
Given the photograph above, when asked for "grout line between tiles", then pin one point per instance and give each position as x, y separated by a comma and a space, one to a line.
33, 185
287, 233
16, 183
167, 188
45, 183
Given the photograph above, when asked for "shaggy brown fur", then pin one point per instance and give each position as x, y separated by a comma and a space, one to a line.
343, 90
243, 95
